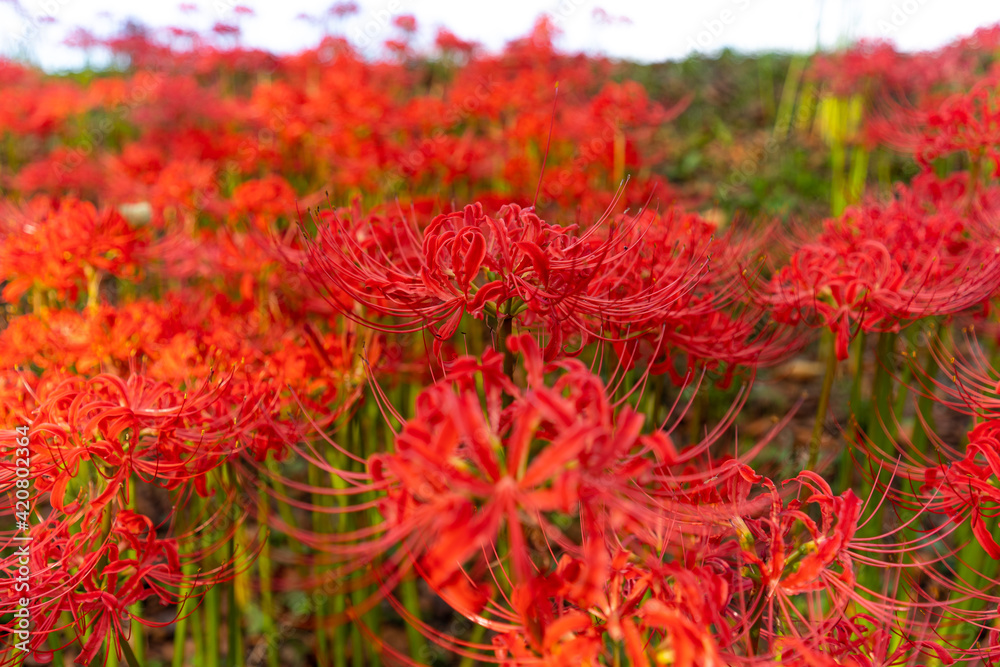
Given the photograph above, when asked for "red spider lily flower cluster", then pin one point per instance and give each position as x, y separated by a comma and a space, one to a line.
668, 544
962, 482
471, 263
646, 275
95, 556
63, 247
967, 123
881, 266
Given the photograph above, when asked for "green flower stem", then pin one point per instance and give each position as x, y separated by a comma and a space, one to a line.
859, 415
789, 91
338, 602
375, 432
138, 630
882, 436
266, 586
234, 620
320, 524
695, 417
829, 352
408, 591
357, 597
185, 607
411, 602
55, 642
838, 201
925, 407
212, 627
478, 632
858, 175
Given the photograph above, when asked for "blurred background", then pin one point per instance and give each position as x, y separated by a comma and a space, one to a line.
37, 30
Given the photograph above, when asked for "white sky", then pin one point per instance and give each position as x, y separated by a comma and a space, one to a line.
658, 30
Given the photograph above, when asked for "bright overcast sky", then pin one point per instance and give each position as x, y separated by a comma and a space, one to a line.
656, 30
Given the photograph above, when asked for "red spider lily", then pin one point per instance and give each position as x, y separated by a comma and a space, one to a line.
714, 323
812, 558
430, 496
94, 570
455, 482
93, 557
879, 267
183, 337
431, 500
876, 69
66, 248
968, 122
967, 487
264, 200
967, 484
659, 611
469, 262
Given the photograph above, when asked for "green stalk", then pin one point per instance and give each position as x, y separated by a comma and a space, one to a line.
55, 641
266, 583
976, 569
358, 595
506, 329
695, 417
131, 657
408, 592
859, 414
838, 202
374, 428
338, 603
789, 91
882, 401
212, 629
882, 438
199, 636
925, 407
357, 641
859, 173
180, 630
138, 630
910, 517
339, 644
234, 656
234, 653
411, 602
284, 509
829, 351
478, 631
319, 525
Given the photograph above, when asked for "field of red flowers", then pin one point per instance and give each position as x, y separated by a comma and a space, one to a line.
527, 358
